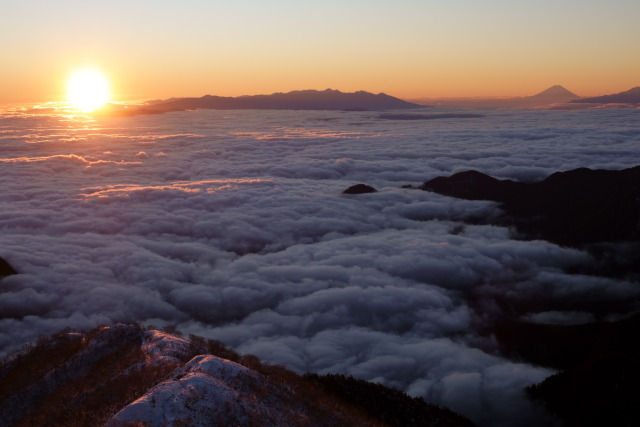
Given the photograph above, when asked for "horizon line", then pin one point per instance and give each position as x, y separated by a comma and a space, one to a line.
133, 99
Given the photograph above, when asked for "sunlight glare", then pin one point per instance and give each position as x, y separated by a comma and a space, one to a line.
87, 89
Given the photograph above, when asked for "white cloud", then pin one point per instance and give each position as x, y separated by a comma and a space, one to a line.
232, 225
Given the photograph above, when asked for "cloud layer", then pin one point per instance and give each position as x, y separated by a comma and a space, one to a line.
232, 225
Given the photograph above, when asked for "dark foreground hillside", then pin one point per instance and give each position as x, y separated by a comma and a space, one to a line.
597, 211
128, 375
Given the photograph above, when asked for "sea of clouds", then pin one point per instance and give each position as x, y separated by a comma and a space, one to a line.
232, 225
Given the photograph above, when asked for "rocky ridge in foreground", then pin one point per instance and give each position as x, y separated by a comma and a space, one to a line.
128, 375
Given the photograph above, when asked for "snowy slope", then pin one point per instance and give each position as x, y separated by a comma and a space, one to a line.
160, 347
210, 388
125, 375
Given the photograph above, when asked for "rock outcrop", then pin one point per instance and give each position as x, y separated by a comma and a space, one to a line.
629, 97
125, 375
6, 269
360, 189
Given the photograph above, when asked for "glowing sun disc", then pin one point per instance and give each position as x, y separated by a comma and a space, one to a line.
87, 89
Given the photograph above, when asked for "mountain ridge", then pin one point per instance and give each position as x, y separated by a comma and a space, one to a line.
631, 96
575, 207
124, 374
308, 99
555, 91
555, 94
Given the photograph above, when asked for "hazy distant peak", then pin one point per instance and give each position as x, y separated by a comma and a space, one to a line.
328, 90
631, 96
309, 99
556, 94
556, 91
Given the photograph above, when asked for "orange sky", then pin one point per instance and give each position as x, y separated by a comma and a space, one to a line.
406, 48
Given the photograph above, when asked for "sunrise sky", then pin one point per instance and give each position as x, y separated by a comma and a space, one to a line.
406, 48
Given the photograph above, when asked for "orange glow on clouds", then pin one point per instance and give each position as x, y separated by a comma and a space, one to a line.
204, 186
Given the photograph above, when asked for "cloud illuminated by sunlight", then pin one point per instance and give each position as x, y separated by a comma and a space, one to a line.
87, 89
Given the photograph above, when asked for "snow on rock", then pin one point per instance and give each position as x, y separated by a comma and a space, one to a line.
222, 369
161, 347
209, 391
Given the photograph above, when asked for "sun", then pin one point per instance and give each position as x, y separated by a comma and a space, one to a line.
87, 89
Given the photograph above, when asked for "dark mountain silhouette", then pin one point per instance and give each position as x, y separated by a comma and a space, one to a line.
602, 392
297, 100
577, 207
600, 363
602, 369
554, 95
126, 375
631, 96
359, 189
600, 360
6, 269
567, 346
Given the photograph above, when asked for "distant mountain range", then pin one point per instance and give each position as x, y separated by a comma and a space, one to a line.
296, 100
553, 95
631, 96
